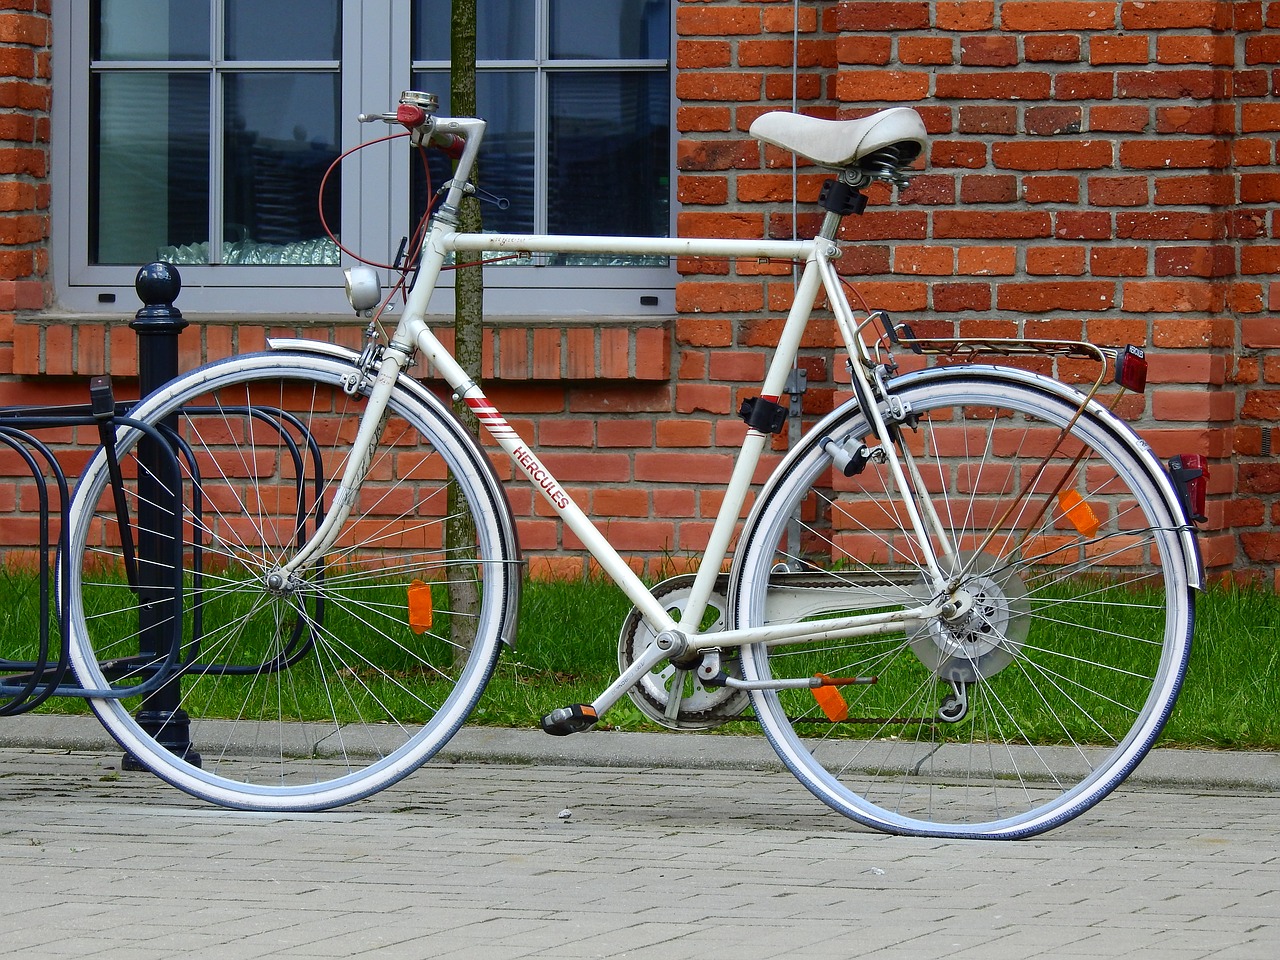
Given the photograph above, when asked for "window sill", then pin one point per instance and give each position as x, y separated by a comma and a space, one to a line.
60, 343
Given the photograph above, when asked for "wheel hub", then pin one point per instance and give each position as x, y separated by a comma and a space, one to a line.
986, 637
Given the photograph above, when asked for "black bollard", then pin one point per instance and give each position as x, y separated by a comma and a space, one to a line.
157, 326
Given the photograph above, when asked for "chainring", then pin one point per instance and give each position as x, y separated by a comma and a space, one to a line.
701, 707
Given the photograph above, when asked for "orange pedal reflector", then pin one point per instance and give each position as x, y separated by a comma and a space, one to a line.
831, 702
1079, 513
419, 606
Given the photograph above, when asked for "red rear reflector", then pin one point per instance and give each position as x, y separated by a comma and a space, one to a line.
1131, 369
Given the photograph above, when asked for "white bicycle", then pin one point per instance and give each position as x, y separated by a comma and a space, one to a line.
961, 606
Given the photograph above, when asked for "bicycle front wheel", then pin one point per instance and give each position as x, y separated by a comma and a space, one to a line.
307, 694
1029, 707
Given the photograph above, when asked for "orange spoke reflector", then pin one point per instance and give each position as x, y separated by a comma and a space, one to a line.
419, 606
831, 702
1079, 513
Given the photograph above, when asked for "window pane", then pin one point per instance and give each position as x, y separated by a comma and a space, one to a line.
283, 30
506, 101
504, 29
280, 135
149, 165
610, 29
609, 154
151, 30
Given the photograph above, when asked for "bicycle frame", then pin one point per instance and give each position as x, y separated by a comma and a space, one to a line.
413, 337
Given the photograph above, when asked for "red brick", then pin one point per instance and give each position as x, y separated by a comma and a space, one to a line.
914, 51
1087, 85
989, 51
973, 85
1262, 332
1051, 121
988, 119
1170, 225
1175, 14
719, 86
1175, 154
1214, 119
1119, 191
717, 21
1055, 155
718, 297
1056, 261
742, 225
1168, 84
892, 86
931, 261
1260, 259
1118, 261
1259, 117
1130, 48
957, 297
876, 51
958, 224
1058, 49
1195, 191
1259, 187
955, 153
1168, 296
881, 15
1193, 405
1044, 295
1217, 50
717, 154
703, 190
987, 261
981, 188
965, 15
1214, 261
1058, 15
1050, 189
701, 54
1118, 119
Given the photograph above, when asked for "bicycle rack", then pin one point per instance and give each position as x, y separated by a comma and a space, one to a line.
30, 679
26, 682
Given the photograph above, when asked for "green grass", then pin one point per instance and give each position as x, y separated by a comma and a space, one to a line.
566, 652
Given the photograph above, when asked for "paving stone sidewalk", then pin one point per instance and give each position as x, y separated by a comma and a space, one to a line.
678, 859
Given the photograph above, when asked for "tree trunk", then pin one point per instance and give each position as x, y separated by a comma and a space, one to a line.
460, 532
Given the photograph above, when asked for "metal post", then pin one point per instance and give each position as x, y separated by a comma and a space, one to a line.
157, 326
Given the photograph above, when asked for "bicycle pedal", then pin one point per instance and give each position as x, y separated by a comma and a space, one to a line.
574, 718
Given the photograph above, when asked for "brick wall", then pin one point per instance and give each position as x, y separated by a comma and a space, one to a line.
1099, 169
24, 165
1096, 169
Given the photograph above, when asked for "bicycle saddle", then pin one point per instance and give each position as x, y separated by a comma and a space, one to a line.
843, 143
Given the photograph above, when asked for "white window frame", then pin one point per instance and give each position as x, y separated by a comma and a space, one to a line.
376, 41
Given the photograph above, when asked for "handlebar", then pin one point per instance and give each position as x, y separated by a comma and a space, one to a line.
416, 113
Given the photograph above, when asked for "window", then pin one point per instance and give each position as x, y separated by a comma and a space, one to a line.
208, 125
571, 89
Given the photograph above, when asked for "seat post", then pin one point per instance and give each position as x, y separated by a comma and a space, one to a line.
841, 198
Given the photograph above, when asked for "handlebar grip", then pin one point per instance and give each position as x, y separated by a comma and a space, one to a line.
449, 144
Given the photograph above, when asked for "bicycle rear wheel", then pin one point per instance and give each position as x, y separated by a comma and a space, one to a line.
1023, 713
310, 694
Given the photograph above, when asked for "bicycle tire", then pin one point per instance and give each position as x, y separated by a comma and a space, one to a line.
322, 694
1031, 709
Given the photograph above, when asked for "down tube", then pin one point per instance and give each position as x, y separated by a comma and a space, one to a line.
542, 479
